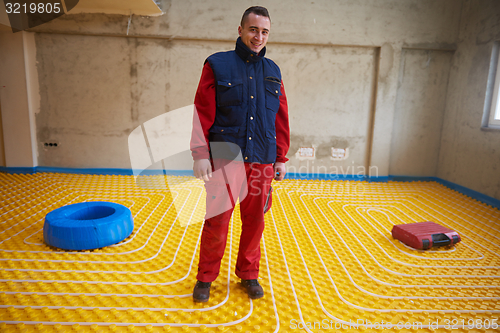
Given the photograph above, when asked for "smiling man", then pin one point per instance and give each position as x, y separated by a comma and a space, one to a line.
241, 105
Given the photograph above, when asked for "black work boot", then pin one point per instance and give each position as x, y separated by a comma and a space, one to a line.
254, 289
201, 292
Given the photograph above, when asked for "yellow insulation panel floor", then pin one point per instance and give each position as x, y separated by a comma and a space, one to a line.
328, 260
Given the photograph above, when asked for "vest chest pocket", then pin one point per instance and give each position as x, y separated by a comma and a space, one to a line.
229, 93
273, 92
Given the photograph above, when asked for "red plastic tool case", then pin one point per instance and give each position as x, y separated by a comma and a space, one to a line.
424, 235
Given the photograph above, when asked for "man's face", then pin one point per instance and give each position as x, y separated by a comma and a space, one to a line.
255, 31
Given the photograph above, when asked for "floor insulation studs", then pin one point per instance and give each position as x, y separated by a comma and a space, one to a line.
328, 263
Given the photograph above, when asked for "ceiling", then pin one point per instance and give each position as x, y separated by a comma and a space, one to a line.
123, 7
120, 7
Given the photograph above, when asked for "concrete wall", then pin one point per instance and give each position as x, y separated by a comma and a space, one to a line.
470, 156
18, 92
340, 62
2, 149
420, 107
97, 90
327, 88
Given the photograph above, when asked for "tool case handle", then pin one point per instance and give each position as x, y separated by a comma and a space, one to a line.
440, 240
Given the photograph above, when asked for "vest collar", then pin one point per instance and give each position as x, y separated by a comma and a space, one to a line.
246, 54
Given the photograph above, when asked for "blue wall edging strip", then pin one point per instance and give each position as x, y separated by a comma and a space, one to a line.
95, 171
20, 170
323, 176
86, 171
167, 172
412, 179
318, 176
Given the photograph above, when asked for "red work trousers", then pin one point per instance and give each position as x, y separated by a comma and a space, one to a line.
251, 182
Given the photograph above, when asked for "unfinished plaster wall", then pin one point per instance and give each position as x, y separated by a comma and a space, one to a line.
419, 113
17, 117
327, 88
111, 85
340, 61
470, 156
2, 149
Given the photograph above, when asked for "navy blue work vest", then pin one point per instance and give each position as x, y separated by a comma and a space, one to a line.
248, 87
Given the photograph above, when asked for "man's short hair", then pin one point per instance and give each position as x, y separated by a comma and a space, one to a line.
257, 10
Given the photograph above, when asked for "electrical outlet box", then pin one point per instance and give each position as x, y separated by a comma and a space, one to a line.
340, 154
306, 152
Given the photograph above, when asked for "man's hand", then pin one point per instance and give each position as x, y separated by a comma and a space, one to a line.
202, 169
279, 170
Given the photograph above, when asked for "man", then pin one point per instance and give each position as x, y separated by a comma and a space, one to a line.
243, 114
